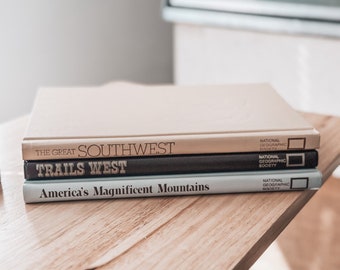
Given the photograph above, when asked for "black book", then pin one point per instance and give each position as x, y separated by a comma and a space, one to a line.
160, 165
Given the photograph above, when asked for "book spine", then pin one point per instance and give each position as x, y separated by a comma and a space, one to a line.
178, 164
175, 185
175, 145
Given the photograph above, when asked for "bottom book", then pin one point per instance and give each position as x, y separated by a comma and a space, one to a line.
170, 185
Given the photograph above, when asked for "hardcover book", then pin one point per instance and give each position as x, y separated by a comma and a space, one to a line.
122, 120
176, 164
170, 185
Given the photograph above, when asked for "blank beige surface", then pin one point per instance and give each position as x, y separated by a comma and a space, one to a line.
124, 110
197, 232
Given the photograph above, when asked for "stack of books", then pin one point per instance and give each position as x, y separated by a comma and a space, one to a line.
127, 140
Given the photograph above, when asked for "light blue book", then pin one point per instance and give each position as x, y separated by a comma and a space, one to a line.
170, 185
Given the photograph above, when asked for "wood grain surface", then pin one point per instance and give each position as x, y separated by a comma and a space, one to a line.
194, 232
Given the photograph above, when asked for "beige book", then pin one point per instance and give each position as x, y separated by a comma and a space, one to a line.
122, 119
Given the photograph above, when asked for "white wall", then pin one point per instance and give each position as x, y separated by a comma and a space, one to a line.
305, 70
79, 42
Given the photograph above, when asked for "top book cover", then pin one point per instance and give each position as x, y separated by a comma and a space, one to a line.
123, 119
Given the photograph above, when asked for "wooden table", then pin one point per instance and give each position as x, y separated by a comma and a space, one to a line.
193, 232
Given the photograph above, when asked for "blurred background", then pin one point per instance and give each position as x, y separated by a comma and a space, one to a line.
294, 45
76, 43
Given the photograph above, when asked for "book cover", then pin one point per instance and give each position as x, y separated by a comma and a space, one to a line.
177, 164
170, 185
122, 120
